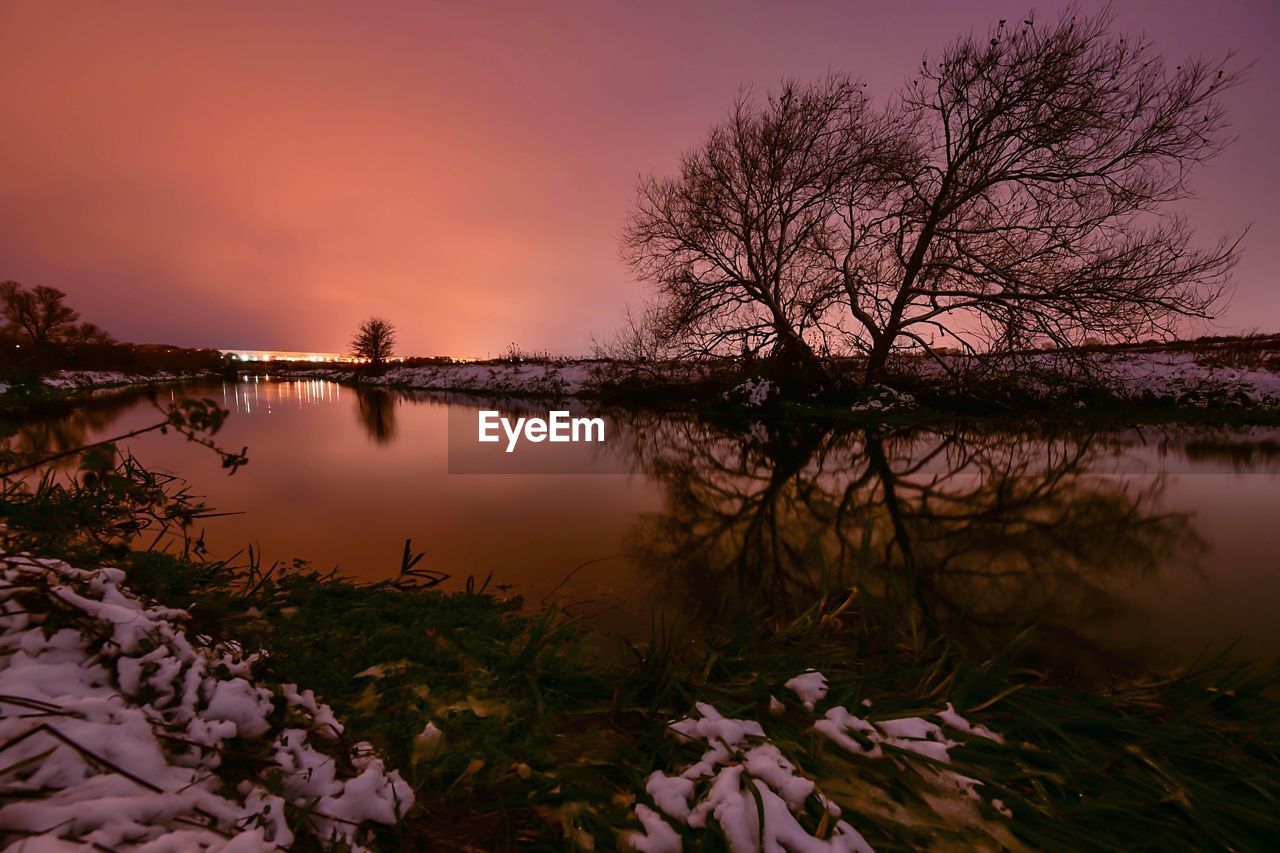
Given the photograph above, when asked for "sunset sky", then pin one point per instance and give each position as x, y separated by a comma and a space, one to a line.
264, 175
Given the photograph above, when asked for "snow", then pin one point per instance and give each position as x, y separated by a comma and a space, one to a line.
114, 730
743, 777
428, 743
881, 398
810, 687
86, 380
752, 392
658, 836
1189, 377
953, 720
912, 734
547, 378
1182, 375
1200, 377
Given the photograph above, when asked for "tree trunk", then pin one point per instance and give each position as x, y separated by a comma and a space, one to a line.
877, 360
796, 362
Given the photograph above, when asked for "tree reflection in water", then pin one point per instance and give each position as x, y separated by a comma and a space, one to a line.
376, 409
47, 436
964, 534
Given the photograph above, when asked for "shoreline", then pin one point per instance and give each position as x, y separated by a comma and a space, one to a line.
70, 387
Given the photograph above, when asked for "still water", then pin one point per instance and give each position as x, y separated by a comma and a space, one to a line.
1152, 547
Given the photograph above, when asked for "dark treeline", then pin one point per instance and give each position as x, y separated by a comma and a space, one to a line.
40, 332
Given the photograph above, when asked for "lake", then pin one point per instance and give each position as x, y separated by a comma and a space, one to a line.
1150, 546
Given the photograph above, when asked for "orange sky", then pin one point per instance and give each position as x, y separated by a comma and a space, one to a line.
265, 174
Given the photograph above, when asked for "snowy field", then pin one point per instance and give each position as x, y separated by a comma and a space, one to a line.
1193, 378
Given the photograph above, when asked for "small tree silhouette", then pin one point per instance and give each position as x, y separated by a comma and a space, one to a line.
374, 340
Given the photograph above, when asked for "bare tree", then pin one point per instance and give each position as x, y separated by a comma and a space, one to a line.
1020, 192
728, 242
375, 340
39, 315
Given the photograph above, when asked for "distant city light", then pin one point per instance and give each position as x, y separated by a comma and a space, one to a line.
280, 355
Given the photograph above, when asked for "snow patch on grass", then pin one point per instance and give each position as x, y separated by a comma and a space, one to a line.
750, 790
912, 734
759, 800
1209, 378
881, 398
119, 730
752, 392
810, 687
1196, 378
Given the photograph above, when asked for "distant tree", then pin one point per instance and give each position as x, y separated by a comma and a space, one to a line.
375, 340
89, 333
1017, 193
39, 316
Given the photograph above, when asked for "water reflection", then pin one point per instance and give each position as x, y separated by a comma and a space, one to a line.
264, 394
962, 533
376, 408
48, 436
1100, 537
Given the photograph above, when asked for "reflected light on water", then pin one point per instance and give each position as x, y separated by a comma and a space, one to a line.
263, 394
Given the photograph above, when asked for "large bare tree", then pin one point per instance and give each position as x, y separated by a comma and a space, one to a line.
1021, 191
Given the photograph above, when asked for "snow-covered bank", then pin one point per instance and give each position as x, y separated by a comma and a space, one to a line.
1198, 376
565, 378
550, 378
1184, 376
119, 730
90, 381
1191, 375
